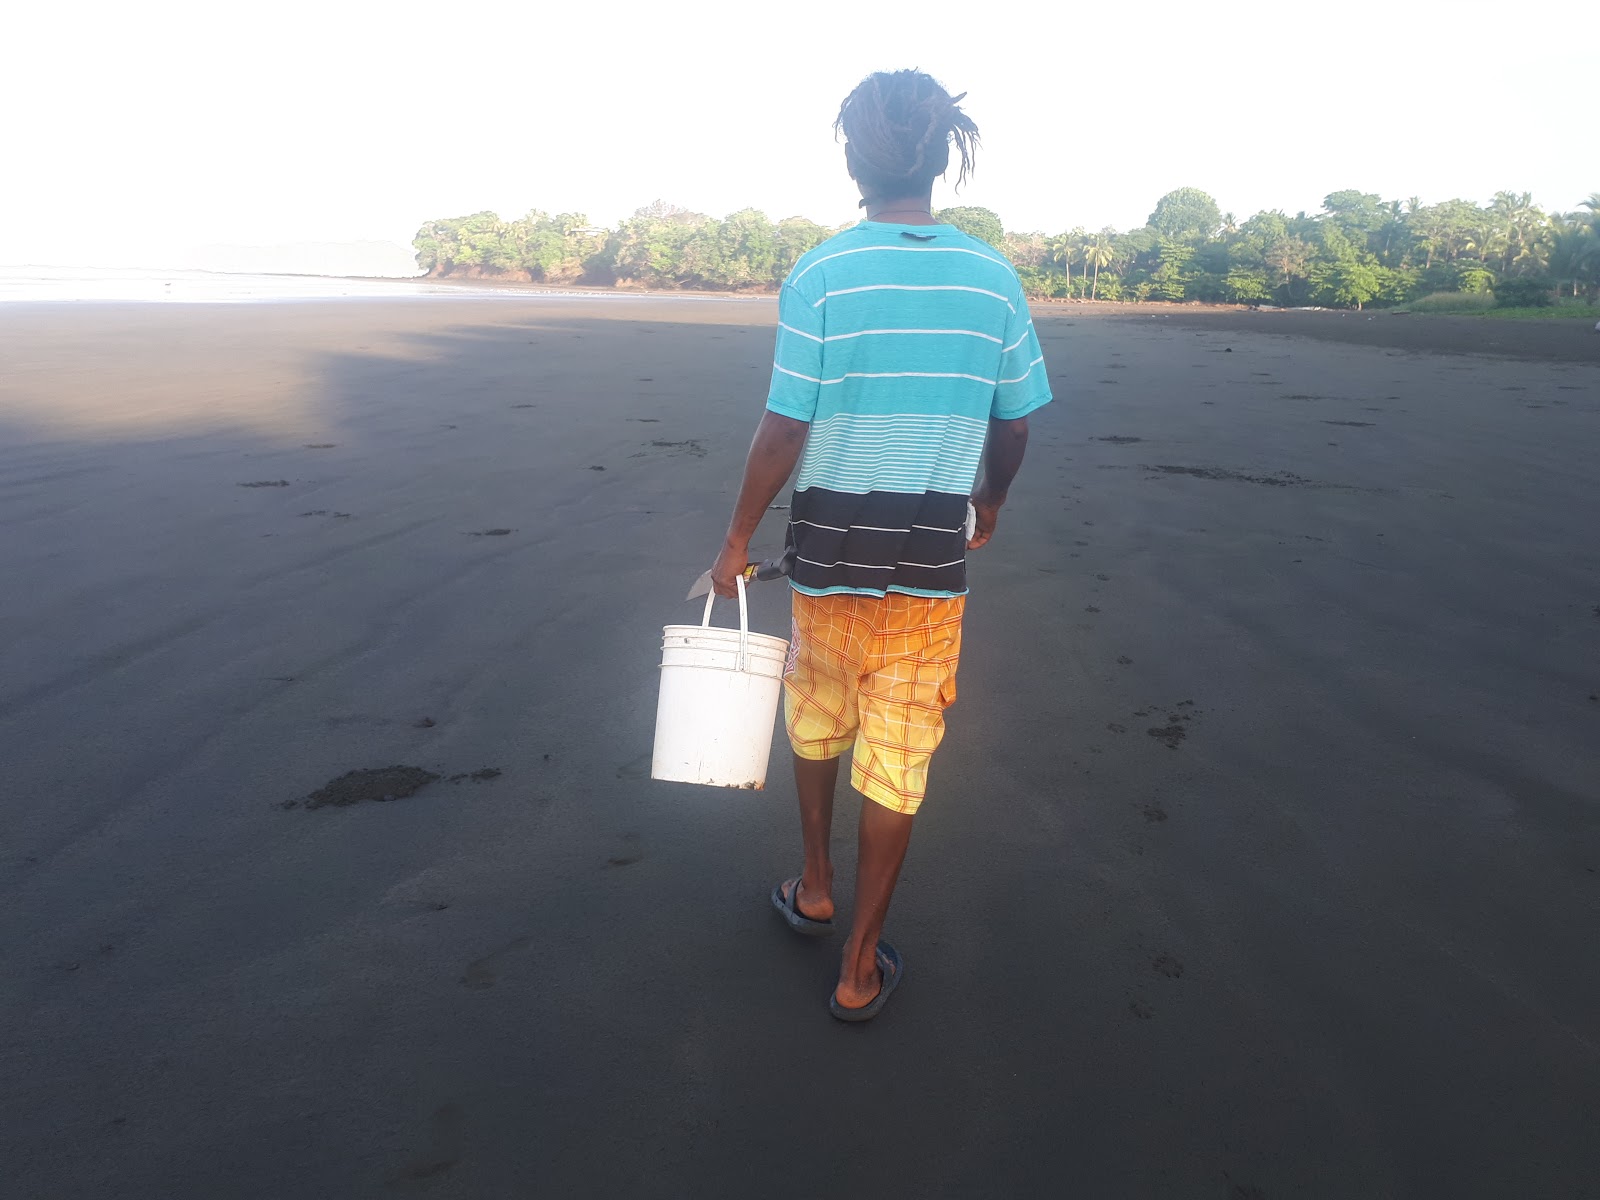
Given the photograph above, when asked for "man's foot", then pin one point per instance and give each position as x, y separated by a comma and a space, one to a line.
809, 908
793, 905
862, 998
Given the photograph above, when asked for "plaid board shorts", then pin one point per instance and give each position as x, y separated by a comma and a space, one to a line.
873, 674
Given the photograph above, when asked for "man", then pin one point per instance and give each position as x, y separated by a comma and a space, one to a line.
905, 356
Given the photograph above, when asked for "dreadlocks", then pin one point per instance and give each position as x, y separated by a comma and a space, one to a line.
898, 128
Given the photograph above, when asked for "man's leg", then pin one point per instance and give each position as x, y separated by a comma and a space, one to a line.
814, 782
909, 683
885, 834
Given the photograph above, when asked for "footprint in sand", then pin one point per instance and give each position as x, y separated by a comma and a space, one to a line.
490, 532
443, 1152
266, 483
1165, 964
1173, 733
480, 972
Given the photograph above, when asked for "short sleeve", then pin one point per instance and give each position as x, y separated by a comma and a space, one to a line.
797, 361
1024, 383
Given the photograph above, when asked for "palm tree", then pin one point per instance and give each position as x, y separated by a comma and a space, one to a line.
1098, 251
1573, 248
1514, 222
1065, 248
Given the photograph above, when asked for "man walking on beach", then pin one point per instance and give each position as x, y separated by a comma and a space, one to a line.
905, 357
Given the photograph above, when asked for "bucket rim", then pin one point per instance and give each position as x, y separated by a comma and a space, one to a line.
714, 633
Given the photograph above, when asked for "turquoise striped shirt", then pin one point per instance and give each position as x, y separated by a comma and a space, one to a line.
897, 344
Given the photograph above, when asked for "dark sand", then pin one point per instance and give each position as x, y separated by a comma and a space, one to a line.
1262, 859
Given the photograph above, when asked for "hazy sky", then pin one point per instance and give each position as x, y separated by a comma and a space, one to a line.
135, 132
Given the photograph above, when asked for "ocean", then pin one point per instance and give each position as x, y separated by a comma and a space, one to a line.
88, 284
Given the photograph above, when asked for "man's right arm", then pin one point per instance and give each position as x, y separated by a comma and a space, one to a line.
1002, 459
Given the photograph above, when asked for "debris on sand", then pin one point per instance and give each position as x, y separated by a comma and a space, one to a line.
1278, 479
481, 775
378, 784
692, 446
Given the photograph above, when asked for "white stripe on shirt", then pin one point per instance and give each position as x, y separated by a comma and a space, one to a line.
1019, 378
908, 250
840, 337
1003, 349
915, 287
865, 566
906, 375
800, 332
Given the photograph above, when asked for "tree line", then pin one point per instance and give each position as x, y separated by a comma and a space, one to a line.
1359, 250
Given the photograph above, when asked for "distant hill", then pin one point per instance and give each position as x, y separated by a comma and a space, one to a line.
384, 259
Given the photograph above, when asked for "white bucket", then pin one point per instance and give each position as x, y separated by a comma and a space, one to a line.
719, 695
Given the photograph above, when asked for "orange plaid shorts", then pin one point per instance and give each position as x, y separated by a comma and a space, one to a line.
873, 674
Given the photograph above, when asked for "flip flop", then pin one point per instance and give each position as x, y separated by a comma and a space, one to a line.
797, 920
893, 971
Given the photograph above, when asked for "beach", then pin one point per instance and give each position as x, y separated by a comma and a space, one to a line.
1261, 860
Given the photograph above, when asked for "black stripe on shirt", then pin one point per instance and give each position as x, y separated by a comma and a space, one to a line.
876, 540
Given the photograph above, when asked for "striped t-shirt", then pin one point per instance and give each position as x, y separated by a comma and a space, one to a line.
897, 343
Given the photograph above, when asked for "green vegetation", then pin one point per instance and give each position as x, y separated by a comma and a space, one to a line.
660, 246
1487, 304
1508, 256
1453, 302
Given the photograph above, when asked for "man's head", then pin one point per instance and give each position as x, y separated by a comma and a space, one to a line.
898, 128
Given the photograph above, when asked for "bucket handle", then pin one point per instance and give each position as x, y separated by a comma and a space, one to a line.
744, 621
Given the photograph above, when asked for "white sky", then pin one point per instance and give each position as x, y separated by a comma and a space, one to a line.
134, 132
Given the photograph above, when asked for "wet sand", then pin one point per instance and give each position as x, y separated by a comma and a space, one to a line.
1262, 858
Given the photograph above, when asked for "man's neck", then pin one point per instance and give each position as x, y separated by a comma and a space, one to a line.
908, 210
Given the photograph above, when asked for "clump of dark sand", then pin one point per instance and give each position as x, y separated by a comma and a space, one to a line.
374, 783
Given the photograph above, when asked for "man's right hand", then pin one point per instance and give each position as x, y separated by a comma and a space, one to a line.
988, 516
